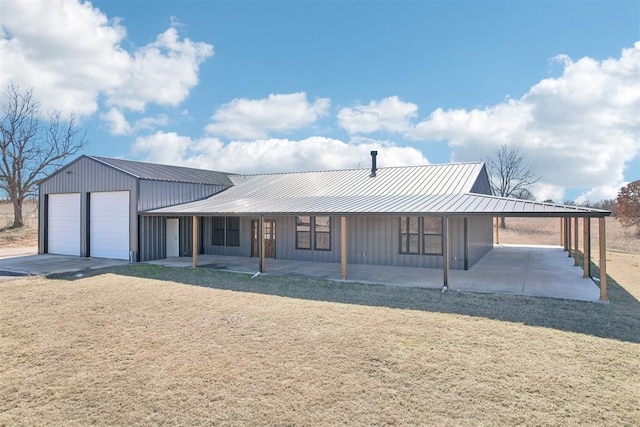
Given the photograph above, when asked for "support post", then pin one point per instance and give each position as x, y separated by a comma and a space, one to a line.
497, 231
261, 243
575, 241
343, 248
562, 232
603, 259
586, 253
194, 240
568, 237
445, 254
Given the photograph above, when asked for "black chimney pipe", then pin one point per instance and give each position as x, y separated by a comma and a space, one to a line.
374, 167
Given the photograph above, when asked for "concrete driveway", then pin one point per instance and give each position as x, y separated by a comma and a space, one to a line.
38, 265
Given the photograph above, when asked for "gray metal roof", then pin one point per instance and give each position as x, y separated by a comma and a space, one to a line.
157, 172
410, 190
450, 178
467, 204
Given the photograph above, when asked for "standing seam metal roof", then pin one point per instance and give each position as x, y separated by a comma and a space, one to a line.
157, 172
407, 180
430, 189
441, 204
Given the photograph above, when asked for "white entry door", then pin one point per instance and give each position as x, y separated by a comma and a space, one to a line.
173, 245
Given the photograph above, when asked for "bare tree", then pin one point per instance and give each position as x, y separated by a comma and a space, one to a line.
628, 209
510, 175
32, 144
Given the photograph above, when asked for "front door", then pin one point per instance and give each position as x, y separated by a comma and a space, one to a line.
269, 233
173, 244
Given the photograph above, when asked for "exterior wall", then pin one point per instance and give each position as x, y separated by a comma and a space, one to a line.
371, 240
480, 237
153, 235
87, 176
159, 194
482, 184
206, 238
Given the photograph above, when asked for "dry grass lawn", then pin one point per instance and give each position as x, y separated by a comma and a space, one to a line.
142, 345
25, 236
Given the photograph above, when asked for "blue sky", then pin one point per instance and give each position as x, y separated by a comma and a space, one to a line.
281, 85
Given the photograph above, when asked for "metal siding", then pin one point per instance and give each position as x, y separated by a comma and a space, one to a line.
245, 239
482, 184
184, 235
375, 240
86, 176
158, 194
456, 250
286, 242
152, 238
480, 237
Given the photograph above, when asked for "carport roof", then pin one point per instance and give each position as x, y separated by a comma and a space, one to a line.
467, 204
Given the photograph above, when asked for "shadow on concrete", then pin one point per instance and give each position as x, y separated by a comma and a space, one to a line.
619, 319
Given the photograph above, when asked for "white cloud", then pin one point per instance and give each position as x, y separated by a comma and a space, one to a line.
389, 114
163, 147
118, 125
272, 155
116, 122
72, 54
162, 72
604, 192
258, 118
580, 129
548, 192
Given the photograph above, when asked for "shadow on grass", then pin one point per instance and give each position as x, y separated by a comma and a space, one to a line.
618, 320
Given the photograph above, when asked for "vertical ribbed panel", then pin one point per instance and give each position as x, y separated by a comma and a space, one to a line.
152, 238
156, 194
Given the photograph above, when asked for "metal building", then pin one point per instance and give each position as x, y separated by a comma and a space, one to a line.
91, 206
415, 216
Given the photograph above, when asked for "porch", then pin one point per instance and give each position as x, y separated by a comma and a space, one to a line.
528, 270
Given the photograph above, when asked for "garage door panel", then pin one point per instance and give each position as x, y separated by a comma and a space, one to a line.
63, 224
109, 225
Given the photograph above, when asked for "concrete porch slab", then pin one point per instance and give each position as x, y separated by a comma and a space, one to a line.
541, 271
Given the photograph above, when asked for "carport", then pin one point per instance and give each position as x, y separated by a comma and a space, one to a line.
463, 206
527, 270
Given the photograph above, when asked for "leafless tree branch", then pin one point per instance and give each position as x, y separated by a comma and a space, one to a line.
32, 145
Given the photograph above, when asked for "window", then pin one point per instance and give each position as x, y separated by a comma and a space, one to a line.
218, 231
320, 239
303, 232
432, 235
322, 231
233, 231
429, 227
226, 231
409, 235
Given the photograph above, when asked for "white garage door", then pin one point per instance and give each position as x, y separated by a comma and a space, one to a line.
109, 225
63, 224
